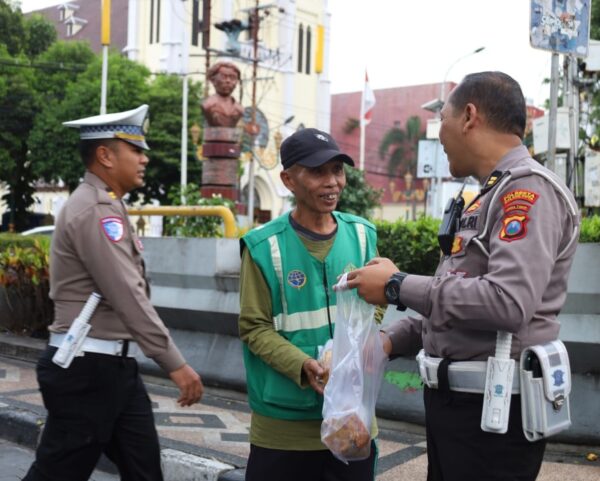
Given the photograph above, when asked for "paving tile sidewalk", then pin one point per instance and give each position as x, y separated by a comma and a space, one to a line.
211, 438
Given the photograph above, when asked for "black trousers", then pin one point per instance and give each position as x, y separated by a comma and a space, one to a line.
458, 450
98, 405
280, 465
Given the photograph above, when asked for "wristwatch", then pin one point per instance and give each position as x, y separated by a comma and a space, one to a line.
392, 290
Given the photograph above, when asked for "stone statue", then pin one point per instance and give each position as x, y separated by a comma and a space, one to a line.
221, 109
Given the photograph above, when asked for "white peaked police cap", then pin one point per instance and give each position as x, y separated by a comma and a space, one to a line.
130, 126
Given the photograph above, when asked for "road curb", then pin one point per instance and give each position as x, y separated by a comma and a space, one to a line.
20, 427
23, 427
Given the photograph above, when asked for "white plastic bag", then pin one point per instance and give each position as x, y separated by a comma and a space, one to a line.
357, 367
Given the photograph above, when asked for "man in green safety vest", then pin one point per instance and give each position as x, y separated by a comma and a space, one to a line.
287, 311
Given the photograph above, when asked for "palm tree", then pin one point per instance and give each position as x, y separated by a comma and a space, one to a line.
400, 147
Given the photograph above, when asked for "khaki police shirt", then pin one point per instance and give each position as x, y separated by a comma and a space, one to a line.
519, 287
89, 253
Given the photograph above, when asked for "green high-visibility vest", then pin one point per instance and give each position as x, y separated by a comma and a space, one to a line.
303, 304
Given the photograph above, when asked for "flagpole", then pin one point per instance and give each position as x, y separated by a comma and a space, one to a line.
362, 145
367, 102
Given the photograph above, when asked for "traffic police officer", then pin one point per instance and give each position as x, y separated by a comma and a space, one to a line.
99, 403
506, 270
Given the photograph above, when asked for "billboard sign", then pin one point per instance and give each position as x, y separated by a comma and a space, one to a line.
561, 26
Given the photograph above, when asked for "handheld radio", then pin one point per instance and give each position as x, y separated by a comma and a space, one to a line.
450, 222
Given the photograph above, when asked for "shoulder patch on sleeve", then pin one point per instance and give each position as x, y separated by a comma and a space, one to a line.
112, 227
519, 196
514, 227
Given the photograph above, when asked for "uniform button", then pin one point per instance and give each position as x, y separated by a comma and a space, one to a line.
140, 284
424, 330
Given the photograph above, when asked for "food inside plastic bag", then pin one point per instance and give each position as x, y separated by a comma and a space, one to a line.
325, 356
347, 437
357, 366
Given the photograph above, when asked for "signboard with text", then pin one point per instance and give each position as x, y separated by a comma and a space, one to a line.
560, 26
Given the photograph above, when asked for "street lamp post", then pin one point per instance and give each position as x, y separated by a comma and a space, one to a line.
443, 86
437, 181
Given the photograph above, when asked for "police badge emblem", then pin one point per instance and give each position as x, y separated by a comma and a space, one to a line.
113, 228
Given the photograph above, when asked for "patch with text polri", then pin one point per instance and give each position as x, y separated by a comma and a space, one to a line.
113, 228
514, 227
296, 279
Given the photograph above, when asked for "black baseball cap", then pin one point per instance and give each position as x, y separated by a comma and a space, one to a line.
311, 148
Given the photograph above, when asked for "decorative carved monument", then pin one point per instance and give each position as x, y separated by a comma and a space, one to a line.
221, 142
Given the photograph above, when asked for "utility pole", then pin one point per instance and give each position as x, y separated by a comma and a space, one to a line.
551, 156
206, 12
183, 70
253, 126
573, 104
105, 40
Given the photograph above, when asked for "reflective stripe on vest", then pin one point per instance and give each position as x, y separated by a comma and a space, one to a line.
309, 319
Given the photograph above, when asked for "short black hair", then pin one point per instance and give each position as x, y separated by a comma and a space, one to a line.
498, 96
87, 149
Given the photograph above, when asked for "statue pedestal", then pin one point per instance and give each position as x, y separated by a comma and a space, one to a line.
221, 149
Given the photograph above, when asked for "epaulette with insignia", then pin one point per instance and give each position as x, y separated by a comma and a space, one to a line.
493, 179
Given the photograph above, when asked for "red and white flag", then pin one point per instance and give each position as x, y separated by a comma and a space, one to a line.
367, 102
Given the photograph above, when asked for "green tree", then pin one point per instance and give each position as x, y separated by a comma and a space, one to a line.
39, 35
54, 147
399, 146
18, 104
12, 31
21, 41
63, 62
358, 198
164, 137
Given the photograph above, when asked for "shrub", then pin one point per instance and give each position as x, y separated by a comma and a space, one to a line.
196, 226
412, 245
25, 284
590, 229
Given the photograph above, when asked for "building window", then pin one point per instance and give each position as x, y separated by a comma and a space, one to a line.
308, 48
195, 21
300, 47
154, 21
151, 19
61, 14
157, 21
69, 29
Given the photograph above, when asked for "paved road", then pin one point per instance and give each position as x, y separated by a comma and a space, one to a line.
218, 429
15, 461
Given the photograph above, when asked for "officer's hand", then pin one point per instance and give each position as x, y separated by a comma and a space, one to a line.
189, 384
314, 373
370, 280
385, 342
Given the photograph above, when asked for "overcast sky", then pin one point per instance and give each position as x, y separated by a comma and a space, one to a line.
407, 42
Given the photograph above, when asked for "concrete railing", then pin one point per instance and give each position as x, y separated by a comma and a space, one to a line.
195, 288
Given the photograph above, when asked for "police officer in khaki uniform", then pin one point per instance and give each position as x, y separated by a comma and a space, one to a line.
506, 270
99, 403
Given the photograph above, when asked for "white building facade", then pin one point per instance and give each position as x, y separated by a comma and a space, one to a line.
292, 77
